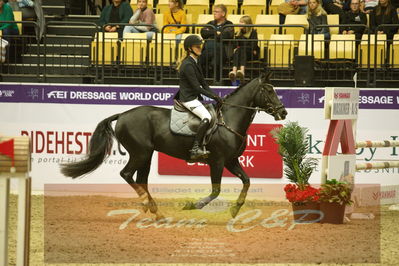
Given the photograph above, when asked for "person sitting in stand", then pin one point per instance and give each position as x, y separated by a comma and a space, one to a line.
317, 16
142, 15
366, 6
6, 14
246, 49
191, 85
175, 15
354, 16
117, 12
384, 13
208, 57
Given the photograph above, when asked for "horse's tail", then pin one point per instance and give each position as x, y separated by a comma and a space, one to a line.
99, 147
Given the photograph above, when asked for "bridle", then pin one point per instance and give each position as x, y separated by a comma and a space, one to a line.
270, 109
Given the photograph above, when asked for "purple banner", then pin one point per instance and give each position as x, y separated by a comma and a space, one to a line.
163, 95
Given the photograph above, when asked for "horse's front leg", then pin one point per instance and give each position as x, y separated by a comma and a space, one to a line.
216, 178
235, 168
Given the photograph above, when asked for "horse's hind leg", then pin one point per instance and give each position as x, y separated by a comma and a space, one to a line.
142, 181
235, 168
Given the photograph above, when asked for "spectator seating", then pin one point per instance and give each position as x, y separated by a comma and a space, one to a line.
108, 41
317, 44
273, 8
162, 6
253, 8
231, 5
267, 20
18, 17
343, 46
134, 49
202, 19
197, 7
295, 20
333, 19
159, 21
169, 49
363, 50
281, 50
394, 52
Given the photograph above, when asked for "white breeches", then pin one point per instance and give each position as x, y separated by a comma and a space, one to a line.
198, 109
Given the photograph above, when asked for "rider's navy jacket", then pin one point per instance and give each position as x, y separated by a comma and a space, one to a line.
192, 82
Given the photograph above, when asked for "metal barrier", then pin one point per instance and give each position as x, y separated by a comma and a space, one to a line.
169, 71
111, 58
13, 61
67, 54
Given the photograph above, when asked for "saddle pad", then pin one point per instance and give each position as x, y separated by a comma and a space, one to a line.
184, 123
179, 123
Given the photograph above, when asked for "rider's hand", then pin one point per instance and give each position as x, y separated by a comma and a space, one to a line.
219, 99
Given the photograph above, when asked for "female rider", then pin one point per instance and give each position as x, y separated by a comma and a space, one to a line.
191, 85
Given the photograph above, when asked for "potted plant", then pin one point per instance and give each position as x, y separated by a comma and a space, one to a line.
293, 147
334, 196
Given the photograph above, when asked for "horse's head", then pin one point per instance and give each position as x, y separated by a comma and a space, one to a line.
268, 100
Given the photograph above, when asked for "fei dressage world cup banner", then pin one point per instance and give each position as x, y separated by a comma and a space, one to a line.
60, 119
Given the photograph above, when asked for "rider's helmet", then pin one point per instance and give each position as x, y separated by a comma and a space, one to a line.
192, 40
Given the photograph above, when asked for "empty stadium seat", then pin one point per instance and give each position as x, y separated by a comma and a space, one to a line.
363, 51
168, 46
317, 44
333, 19
108, 41
231, 5
267, 20
18, 17
394, 52
203, 19
189, 20
295, 20
280, 50
197, 7
253, 8
159, 21
134, 48
343, 46
273, 8
235, 19
162, 6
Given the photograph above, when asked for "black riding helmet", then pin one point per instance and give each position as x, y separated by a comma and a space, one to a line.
190, 41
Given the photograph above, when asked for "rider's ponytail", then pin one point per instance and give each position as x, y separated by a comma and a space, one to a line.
178, 64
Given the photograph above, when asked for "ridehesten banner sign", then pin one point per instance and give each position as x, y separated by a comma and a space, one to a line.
60, 119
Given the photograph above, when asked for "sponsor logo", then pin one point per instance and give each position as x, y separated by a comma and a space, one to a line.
7, 93
304, 98
57, 95
33, 93
342, 95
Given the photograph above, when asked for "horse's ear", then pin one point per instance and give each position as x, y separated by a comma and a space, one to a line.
267, 76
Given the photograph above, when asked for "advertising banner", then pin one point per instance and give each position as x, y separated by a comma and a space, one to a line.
60, 120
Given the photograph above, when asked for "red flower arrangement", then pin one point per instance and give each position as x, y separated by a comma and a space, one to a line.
308, 194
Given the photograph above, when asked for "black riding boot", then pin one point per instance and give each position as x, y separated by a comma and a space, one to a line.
198, 151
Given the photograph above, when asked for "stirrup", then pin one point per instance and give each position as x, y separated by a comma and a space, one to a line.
200, 153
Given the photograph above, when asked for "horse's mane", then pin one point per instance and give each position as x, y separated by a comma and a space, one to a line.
237, 90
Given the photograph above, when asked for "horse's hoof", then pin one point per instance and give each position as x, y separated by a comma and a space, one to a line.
159, 217
199, 205
189, 206
145, 207
234, 210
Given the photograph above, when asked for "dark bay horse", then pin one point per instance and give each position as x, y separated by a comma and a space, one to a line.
145, 129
